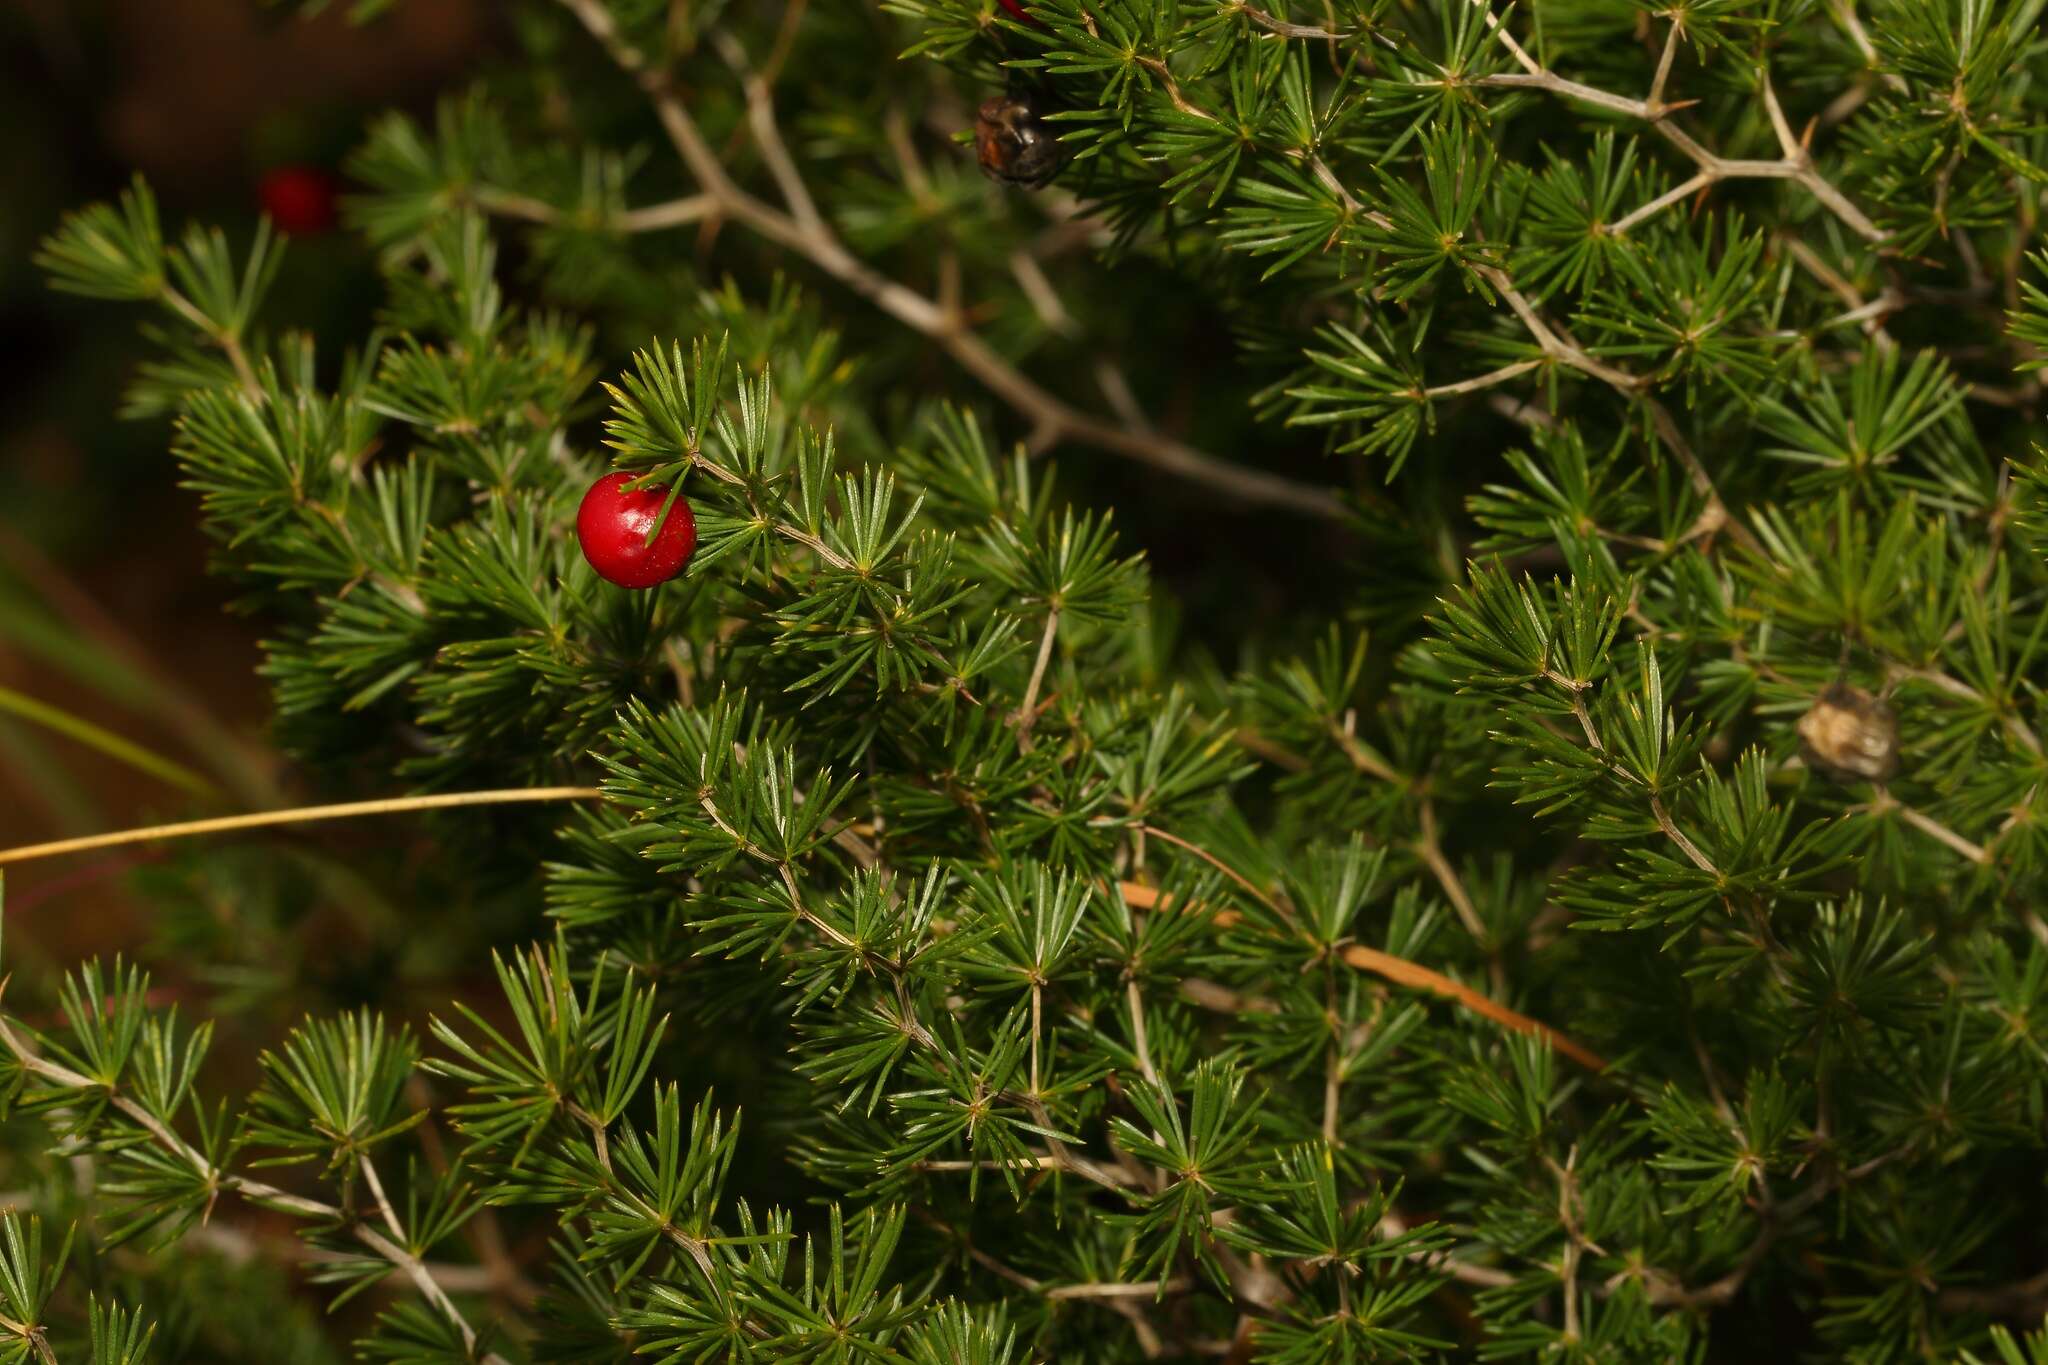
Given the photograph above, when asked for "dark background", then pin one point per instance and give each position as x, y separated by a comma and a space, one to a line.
105, 606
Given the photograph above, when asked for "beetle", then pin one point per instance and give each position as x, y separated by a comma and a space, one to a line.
1013, 144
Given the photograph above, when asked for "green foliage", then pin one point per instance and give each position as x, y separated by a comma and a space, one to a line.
1586, 912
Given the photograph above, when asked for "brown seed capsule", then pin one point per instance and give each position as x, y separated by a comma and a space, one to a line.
1850, 736
1013, 144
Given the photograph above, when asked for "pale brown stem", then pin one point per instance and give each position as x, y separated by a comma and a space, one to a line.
796, 899
499, 1272
768, 135
1523, 412
1068, 1158
1568, 1288
1361, 757
1286, 29
1931, 827
1677, 836
1027, 710
429, 1287
1430, 850
1116, 388
1655, 99
376, 1185
694, 208
1870, 318
1039, 292
2026, 1299
1682, 190
1045, 1162
1146, 1289
1787, 143
1226, 869
1254, 742
1585, 716
1482, 381
1845, 15
694, 1247
1136, 1000
1212, 996
1668, 1292
823, 551
1820, 269
1163, 73
1464, 1272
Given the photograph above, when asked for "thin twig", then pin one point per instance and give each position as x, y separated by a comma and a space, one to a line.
2026, 1299
499, 1272
1683, 190
1136, 999
1430, 850
1044, 1162
376, 1185
1405, 973
1225, 868
1482, 381
1146, 1289
1286, 29
692, 208
1027, 710
768, 135
1929, 826
1574, 1243
1677, 836
1464, 1272
1655, 99
1399, 970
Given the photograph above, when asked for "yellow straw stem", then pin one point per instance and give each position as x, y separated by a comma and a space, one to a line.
302, 815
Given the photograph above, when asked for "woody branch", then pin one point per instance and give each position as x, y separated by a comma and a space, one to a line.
801, 229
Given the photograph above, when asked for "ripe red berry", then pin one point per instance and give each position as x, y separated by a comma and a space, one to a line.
299, 199
1017, 12
612, 526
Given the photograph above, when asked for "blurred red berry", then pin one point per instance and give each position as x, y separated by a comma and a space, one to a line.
1017, 12
299, 199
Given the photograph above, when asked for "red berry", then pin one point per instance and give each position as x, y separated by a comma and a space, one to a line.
612, 526
299, 199
1017, 12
